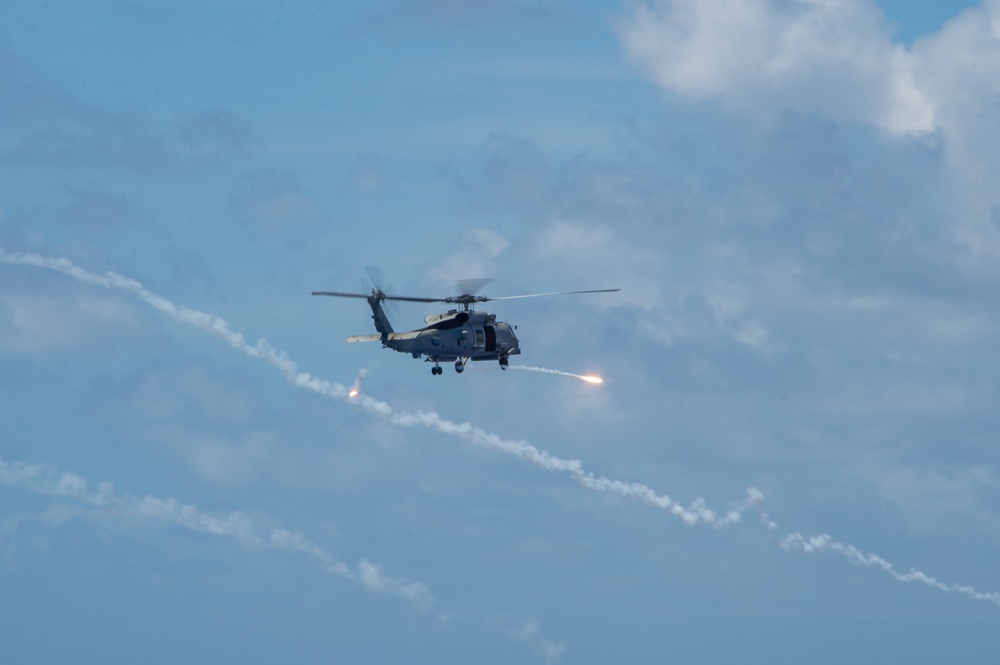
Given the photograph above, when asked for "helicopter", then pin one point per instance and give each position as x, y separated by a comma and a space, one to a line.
460, 334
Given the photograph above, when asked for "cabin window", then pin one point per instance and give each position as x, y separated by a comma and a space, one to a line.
479, 335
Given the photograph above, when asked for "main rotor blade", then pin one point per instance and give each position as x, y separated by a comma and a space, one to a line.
340, 295
413, 299
463, 299
470, 287
376, 276
366, 295
558, 293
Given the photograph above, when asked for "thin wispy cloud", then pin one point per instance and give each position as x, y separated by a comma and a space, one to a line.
46, 480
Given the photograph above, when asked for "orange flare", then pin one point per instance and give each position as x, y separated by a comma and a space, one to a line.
592, 379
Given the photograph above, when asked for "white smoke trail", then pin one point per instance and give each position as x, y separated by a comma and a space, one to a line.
527, 631
356, 388
544, 370
797, 542
697, 513
42, 479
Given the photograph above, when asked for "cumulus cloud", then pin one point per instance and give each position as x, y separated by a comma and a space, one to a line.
473, 256
959, 68
833, 57
836, 58
589, 250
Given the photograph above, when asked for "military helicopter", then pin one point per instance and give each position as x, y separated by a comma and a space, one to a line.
460, 335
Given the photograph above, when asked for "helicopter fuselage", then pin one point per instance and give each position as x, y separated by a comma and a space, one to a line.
458, 336
482, 337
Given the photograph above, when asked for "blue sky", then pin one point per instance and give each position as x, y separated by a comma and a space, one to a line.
793, 454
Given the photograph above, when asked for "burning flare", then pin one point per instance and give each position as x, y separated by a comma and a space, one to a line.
356, 388
543, 370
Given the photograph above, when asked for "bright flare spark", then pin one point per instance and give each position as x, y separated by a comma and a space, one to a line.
544, 370
356, 388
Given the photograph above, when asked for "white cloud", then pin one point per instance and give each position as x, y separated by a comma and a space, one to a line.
42, 324
730, 310
832, 57
594, 256
374, 579
836, 58
959, 67
229, 461
213, 423
474, 256
941, 500
529, 632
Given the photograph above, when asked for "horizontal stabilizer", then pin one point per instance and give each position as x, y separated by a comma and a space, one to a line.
363, 338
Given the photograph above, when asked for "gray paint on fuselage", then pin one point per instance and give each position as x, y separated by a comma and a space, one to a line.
448, 336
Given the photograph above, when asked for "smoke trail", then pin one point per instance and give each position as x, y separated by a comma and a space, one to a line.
46, 480
356, 388
42, 479
527, 631
797, 542
696, 513
544, 370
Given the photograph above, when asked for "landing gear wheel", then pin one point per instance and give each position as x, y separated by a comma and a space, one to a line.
459, 366
437, 370
503, 363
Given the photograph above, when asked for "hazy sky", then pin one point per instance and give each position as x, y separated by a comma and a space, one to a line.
792, 458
